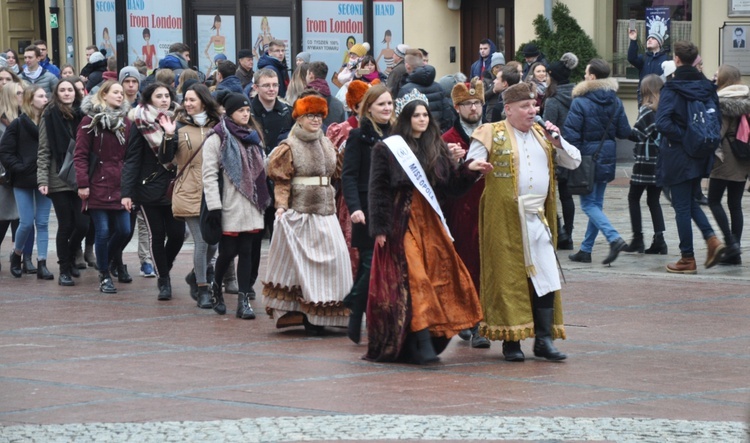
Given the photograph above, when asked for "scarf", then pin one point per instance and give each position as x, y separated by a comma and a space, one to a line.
242, 161
201, 118
321, 86
146, 119
33, 75
105, 118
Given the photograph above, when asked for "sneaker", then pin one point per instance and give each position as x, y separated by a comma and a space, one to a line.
147, 270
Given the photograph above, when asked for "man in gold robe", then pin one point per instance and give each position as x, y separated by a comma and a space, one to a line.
520, 281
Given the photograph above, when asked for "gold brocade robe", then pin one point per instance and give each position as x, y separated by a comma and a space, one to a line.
505, 287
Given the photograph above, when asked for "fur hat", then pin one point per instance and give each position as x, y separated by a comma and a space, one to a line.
355, 93
234, 101
658, 37
472, 91
304, 56
96, 57
245, 53
530, 50
519, 92
560, 70
360, 49
497, 59
401, 50
311, 104
129, 71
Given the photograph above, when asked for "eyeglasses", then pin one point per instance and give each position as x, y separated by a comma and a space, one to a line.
314, 116
269, 86
471, 105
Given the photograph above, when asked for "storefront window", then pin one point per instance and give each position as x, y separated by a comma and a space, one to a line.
670, 18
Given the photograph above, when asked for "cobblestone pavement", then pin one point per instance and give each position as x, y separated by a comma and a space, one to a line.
653, 357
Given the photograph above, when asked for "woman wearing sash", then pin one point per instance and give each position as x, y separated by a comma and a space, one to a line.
308, 272
421, 294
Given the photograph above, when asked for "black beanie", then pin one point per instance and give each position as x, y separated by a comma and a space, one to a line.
559, 72
234, 101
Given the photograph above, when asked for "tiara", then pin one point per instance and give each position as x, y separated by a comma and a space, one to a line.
410, 97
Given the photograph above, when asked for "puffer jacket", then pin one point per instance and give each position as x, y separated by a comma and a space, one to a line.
19, 148
734, 102
280, 68
476, 67
423, 80
594, 104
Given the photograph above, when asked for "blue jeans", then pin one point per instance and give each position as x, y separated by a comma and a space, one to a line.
33, 210
106, 243
592, 206
686, 207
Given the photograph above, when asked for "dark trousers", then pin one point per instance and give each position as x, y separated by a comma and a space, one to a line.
13, 224
241, 247
652, 200
568, 205
356, 300
255, 257
716, 187
685, 201
166, 236
72, 225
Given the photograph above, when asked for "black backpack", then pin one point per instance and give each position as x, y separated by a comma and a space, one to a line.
740, 148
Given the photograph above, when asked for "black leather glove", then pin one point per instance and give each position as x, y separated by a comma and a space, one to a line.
214, 219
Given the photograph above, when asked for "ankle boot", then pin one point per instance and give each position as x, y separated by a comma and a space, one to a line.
731, 254
165, 288
477, 341
614, 250
89, 257
512, 351
543, 345
685, 265
204, 297
564, 240
65, 278
74, 272
193, 283
635, 245
230, 280
42, 271
80, 262
311, 329
27, 265
15, 265
244, 310
210, 275
354, 329
581, 257
715, 251
217, 300
658, 245
105, 283
123, 276
427, 353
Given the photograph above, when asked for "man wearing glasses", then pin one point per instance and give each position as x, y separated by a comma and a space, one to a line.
275, 60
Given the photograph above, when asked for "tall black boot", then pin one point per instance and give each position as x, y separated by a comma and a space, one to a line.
204, 297
65, 279
543, 345
217, 300
15, 265
658, 245
28, 265
193, 283
42, 272
427, 353
354, 329
636, 245
244, 310
165, 288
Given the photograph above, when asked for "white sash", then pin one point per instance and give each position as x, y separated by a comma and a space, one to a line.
414, 171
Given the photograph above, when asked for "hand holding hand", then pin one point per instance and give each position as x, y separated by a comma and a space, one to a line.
457, 152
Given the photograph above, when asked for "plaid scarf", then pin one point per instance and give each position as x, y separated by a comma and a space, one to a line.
146, 118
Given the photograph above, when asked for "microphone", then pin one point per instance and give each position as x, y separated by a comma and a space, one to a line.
539, 120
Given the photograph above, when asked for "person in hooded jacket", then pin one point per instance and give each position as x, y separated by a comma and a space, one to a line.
275, 60
94, 70
681, 172
596, 117
145, 178
101, 141
556, 106
423, 80
650, 62
486, 48
226, 78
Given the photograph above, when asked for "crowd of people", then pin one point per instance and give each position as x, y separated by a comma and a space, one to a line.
395, 200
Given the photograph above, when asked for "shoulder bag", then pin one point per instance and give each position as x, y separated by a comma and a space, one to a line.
581, 179
170, 187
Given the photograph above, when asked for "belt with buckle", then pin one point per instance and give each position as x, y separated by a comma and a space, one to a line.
311, 181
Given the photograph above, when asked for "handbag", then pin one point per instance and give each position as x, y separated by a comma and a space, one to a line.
210, 232
170, 186
67, 170
4, 176
581, 179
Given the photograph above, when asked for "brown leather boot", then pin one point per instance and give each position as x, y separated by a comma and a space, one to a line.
715, 251
685, 265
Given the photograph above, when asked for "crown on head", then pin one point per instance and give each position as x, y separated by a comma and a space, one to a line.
410, 97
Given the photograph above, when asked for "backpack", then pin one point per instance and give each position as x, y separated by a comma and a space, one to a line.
703, 132
739, 141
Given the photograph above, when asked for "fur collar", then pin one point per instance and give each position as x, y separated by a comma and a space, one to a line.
734, 100
586, 86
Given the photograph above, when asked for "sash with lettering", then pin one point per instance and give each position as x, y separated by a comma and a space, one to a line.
410, 163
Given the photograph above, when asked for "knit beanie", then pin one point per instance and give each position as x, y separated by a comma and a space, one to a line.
497, 59
234, 101
561, 69
304, 56
360, 49
129, 71
658, 37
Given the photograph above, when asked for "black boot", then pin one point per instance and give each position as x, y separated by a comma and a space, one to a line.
193, 283
42, 271
543, 346
658, 245
581, 257
165, 288
74, 272
354, 329
210, 275
217, 300
477, 341
564, 240
635, 245
244, 310
731, 253
512, 351
89, 257
65, 279
79, 261
427, 353
27, 265
15, 265
204, 297
311, 329
614, 250
105, 283
123, 276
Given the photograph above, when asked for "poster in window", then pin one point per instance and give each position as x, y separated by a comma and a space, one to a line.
264, 29
735, 46
153, 26
388, 31
104, 20
215, 37
657, 24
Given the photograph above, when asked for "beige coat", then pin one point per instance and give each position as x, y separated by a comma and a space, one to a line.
188, 189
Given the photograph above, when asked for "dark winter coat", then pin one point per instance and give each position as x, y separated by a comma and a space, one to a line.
646, 149
46, 80
276, 123
94, 72
594, 104
423, 80
18, 151
476, 67
280, 68
55, 135
647, 63
674, 165
231, 84
355, 176
246, 77
735, 102
144, 179
556, 107
396, 78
